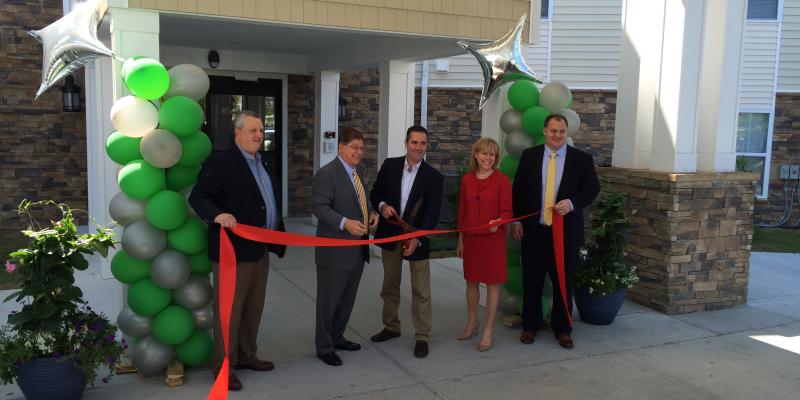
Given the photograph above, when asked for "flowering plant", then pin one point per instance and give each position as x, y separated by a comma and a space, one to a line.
54, 320
601, 265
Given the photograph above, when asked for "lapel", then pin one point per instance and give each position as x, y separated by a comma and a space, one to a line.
244, 169
538, 159
568, 166
416, 188
350, 184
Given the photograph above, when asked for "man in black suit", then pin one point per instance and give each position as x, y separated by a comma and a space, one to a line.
339, 201
235, 186
551, 178
410, 189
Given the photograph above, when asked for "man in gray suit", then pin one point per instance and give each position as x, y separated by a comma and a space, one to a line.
339, 199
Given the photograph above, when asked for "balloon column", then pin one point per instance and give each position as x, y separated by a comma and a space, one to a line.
163, 257
523, 124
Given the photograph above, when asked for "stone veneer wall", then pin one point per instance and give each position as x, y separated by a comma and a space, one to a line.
690, 237
361, 90
785, 150
43, 152
300, 165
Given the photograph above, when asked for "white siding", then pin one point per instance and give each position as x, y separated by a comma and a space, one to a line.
465, 72
585, 43
758, 64
789, 73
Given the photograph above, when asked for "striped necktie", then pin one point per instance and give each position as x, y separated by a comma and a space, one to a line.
550, 189
362, 198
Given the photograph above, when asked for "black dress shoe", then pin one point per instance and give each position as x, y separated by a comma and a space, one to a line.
330, 359
565, 341
234, 384
384, 335
347, 345
421, 349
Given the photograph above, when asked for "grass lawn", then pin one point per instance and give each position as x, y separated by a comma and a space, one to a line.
9, 241
776, 240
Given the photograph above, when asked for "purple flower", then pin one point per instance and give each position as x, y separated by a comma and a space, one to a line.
110, 338
105, 380
124, 346
123, 341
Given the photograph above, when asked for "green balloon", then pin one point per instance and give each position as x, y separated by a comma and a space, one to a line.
190, 238
140, 180
123, 149
180, 115
523, 95
145, 78
166, 210
195, 149
195, 351
513, 256
514, 283
129, 270
200, 263
146, 298
509, 165
180, 176
533, 120
173, 325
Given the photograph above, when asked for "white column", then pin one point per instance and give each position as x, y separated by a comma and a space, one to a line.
133, 32
396, 107
326, 116
491, 113
719, 93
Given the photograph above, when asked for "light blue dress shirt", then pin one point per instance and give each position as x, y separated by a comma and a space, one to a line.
264, 186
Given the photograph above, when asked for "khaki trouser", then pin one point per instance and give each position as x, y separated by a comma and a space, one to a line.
420, 293
248, 305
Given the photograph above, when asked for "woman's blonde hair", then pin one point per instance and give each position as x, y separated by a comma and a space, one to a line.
484, 144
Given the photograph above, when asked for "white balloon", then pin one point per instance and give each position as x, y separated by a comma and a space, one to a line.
187, 80
554, 96
160, 148
573, 120
570, 142
133, 116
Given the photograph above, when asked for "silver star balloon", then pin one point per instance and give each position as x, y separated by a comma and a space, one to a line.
69, 43
502, 61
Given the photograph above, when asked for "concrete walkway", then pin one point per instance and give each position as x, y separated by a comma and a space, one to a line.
749, 352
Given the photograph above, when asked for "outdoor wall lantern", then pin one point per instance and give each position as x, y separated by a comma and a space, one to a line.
213, 59
343, 109
71, 95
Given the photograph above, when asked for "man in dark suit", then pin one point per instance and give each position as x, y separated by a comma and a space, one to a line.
410, 189
551, 178
339, 201
235, 186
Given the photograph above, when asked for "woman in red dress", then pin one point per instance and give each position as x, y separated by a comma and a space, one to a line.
485, 197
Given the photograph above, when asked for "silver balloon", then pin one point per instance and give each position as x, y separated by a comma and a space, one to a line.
142, 241
573, 120
194, 294
509, 304
170, 269
516, 142
511, 121
160, 148
186, 192
554, 96
126, 210
204, 317
187, 80
570, 142
69, 43
151, 356
133, 324
502, 61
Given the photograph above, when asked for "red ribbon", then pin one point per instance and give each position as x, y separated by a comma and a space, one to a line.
227, 268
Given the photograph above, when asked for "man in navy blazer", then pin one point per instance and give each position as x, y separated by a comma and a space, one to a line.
576, 187
236, 186
410, 189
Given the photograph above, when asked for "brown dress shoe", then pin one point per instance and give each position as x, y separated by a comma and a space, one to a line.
564, 340
421, 349
256, 365
527, 337
234, 383
384, 335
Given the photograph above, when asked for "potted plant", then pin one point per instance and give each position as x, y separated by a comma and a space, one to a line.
603, 276
56, 342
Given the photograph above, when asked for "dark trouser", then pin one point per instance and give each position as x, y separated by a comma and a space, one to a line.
537, 260
248, 305
336, 295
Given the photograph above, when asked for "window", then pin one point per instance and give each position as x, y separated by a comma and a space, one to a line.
752, 137
545, 9
761, 9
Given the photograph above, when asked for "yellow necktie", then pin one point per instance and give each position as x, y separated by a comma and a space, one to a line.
550, 189
362, 198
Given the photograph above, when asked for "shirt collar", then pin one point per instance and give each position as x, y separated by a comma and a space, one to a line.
347, 166
247, 155
560, 152
414, 169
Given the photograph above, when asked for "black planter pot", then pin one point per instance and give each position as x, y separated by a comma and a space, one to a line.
51, 379
598, 311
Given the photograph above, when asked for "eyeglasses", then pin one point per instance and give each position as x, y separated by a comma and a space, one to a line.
356, 148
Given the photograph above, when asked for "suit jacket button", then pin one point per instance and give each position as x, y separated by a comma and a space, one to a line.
262, 207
